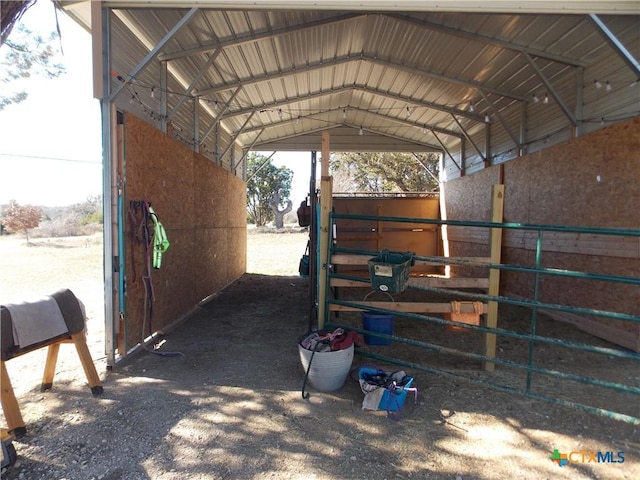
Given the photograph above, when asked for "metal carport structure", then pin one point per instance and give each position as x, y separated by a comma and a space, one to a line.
481, 82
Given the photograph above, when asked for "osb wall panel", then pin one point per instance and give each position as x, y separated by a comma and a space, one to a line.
422, 239
588, 181
202, 208
469, 198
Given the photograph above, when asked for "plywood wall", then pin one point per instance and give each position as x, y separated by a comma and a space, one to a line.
419, 238
591, 181
203, 209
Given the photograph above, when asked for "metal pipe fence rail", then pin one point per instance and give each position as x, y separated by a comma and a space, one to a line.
526, 373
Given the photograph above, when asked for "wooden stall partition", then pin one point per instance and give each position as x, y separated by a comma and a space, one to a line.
422, 239
589, 181
203, 209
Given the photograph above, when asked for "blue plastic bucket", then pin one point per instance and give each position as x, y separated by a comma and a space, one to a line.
380, 323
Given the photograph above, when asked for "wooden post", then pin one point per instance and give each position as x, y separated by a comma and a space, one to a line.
497, 215
326, 193
378, 227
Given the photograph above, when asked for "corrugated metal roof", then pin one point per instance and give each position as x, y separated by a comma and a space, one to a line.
416, 80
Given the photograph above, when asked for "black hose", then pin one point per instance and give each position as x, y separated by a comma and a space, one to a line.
306, 375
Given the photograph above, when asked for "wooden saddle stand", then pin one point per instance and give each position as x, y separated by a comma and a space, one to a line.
75, 321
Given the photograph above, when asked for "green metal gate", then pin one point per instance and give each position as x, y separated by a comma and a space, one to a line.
533, 360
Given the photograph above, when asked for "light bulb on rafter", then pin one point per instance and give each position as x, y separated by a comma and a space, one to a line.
361, 131
597, 84
471, 107
408, 112
608, 86
535, 98
546, 98
424, 129
344, 114
487, 119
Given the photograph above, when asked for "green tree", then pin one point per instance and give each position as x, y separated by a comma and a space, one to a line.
21, 218
265, 182
25, 53
385, 172
90, 211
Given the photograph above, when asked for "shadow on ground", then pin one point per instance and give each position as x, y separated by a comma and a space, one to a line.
230, 406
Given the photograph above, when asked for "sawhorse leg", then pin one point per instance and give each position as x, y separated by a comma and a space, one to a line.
10, 405
50, 367
80, 342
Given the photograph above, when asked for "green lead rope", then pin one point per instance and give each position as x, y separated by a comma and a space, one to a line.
160, 241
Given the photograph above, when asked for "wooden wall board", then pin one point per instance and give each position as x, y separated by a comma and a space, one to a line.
422, 239
202, 207
236, 198
588, 181
561, 183
469, 197
237, 252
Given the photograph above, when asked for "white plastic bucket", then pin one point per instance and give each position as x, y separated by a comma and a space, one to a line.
329, 370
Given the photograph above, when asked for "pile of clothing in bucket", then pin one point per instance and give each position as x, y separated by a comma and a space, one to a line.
325, 341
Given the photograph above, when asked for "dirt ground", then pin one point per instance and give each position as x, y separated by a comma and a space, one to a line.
230, 405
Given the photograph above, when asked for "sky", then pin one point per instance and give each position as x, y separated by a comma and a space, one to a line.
51, 144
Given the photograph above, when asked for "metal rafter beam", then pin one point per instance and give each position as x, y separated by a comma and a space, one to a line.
362, 88
396, 137
196, 79
408, 123
234, 139
297, 134
219, 116
313, 116
616, 44
257, 37
265, 162
552, 91
447, 151
468, 137
149, 57
421, 103
355, 127
488, 40
445, 78
247, 150
419, 160
281, 74
501, 119
365, 58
